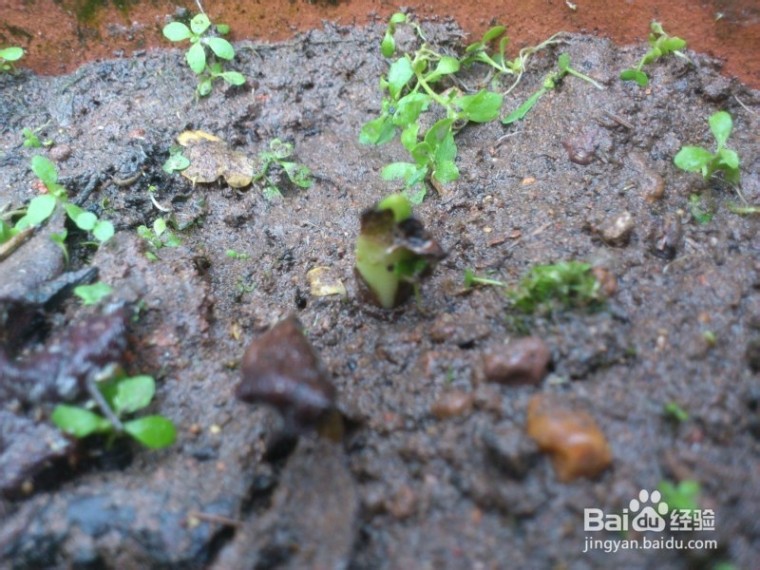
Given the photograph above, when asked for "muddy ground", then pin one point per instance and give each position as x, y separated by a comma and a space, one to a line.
406, 488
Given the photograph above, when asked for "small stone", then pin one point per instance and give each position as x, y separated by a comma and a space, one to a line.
510, 451
523, 361
60, 153
570, 436
452, 404
281, 368
403, 503
607, 280
617, 230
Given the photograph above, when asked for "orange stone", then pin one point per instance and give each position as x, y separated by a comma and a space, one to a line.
570, 436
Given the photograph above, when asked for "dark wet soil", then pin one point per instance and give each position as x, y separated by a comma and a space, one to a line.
414, 483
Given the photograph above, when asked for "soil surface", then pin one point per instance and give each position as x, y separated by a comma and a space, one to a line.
60, 35
435, 469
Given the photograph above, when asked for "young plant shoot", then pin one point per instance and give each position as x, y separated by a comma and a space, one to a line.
207, 66
725, 160
8, 56
564, 285
394, 252
661, 44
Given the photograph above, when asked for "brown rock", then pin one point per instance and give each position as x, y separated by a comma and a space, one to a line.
570, 436
452, 404
280, 368
60, 153
462, 330
523, 361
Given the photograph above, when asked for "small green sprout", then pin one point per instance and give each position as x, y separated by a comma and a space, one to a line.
204, 64
8, 56
681, 497
93, 294
42, 207
470, 280
177, 162
157, 237
125, 396
725, 160
700, 215
415, 82
232, 254
551, 81
661, 44
569, 284
673, 411
393, 252
278, 154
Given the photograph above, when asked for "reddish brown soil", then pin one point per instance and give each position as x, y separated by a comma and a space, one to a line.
59, 35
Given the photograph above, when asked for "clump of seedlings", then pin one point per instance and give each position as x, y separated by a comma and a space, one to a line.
394, 253
124, 396
725, 160
551, 81
157, 237
661, 44
564, 285
206, 65
8, 56
42, 207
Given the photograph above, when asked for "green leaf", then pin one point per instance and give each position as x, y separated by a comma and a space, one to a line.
103, 231
400, 206
416, 194
132, 394
409, 108
563, 62
635, 75
59, 239
196, 58
721, 125
377, 131
233, 77
482, 107
86, 221
692, 158
203, 89
40, 208
409, 135
154, 432
199, 24
446, 171
13, 53
159, 226
399, 74
523, 109
397, 18
6, 231
728, 158
78, 421
493, 33
446, 66
669, 45
699, 215
281, 150
398, 170
176, 162
439, 131
93, 294
31, 140
223, 29
45, 170
272, 193
388, 45
221, 47
176, 32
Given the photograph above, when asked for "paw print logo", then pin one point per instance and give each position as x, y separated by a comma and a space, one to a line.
651, 511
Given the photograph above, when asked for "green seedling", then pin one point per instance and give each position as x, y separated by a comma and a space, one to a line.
565, 285
471, 280
661, 44
698, 212
277, 156
394, 253
675, 412
124, 396
157, 237
232, 254
8, 56
93, 294
551, 81
681, 497
177, 162
415, 82
497, 60
206, 65
42, 207
725, 160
